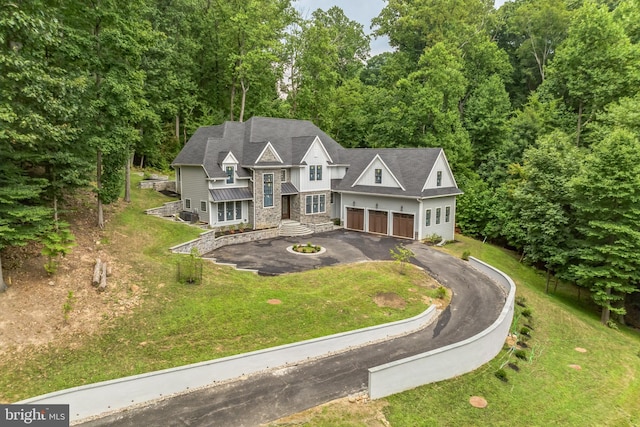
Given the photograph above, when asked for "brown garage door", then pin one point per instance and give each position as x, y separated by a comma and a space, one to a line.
403, 225
378, 221
355, 219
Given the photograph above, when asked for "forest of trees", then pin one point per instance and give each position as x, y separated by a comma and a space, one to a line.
537, 105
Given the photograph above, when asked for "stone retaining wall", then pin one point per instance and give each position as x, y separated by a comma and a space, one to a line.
158, 185
208, 241
168, 209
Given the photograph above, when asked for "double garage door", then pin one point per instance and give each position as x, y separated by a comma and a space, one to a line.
378, 222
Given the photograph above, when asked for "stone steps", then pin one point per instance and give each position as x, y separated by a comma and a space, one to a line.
289, 228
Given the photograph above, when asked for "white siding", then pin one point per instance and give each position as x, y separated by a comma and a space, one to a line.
440, 165
369, 176
314, 157
444, 229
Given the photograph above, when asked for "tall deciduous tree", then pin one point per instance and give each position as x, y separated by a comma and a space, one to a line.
110, 38
594, 66
607, 202
543, 200
39, 156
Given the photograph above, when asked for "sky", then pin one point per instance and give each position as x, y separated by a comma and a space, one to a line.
361, 11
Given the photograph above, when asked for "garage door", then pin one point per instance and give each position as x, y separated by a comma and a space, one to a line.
378, 221
355, 219
403, 225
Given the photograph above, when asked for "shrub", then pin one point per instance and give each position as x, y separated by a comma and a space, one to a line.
520, 354
525, 331
526, 313
466, 255
521, 301
441, 292
501, 374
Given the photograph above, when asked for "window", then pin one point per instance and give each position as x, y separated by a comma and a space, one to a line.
319, 173
283, 175
268, 189
378, 176
447, 214
229, 174
187, 203
227, 211
428, 218
315, 204
312, 173
438, 210
203, 206
439, 179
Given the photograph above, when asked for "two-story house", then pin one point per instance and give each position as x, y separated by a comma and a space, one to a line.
266, 170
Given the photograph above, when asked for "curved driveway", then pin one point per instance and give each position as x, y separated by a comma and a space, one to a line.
265, 397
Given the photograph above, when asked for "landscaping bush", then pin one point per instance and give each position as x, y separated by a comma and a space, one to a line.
466, 255
520, 354
501, 374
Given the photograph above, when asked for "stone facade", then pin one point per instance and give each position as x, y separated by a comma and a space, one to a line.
270, 216
317, 218
168, 209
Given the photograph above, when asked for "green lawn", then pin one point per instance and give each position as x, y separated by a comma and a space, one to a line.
545, 391
227, 314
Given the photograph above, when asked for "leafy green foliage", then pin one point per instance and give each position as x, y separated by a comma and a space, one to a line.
57, 243
402, 255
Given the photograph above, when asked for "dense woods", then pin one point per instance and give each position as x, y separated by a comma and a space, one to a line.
536, 105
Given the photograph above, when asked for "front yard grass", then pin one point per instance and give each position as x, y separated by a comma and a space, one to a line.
227, 314
547, 389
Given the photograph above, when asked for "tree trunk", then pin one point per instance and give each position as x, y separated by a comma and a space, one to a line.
99, 185
579, 130
604, 318
177, 127
3, 286
245, 89
127, 179
141, 160
546, 288
233, 99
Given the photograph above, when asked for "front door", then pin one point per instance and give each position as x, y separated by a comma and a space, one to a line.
286, 207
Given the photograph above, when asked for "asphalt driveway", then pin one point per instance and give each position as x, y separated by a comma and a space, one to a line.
264, 397
269, 257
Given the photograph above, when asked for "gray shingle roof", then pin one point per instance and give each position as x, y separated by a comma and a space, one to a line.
411, 166
290, 138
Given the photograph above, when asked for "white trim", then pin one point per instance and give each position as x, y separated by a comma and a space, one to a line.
273, 151
324, 150
230, 159
385, 166
433, 169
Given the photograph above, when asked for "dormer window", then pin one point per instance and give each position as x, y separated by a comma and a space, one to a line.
230, 172
378, 176
439, 179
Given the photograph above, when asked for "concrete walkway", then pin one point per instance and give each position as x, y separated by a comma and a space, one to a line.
271, 395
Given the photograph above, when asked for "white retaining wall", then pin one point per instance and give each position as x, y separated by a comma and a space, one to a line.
452, 360
94, 399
